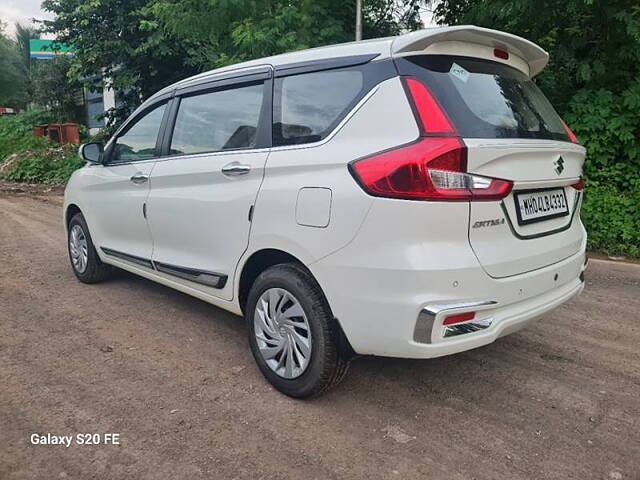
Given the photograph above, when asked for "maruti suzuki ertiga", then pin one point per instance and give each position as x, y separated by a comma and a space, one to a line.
414, 196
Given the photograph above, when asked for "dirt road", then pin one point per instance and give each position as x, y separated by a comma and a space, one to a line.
174, 377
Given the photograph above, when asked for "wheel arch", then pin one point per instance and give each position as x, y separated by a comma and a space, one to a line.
262, 259
72, 209
257, 263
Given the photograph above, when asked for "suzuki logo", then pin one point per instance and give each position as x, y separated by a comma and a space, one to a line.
559, 164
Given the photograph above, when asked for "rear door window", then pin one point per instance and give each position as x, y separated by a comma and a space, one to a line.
218, 120
486, 99
307, 107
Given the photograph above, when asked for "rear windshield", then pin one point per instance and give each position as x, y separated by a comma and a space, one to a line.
486, 99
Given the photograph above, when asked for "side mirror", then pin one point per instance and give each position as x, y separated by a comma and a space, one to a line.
91, 152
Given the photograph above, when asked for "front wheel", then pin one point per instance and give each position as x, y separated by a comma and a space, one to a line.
85, 262
292, 333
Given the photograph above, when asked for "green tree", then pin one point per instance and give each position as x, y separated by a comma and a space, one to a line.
120, 40
228, 31
24, 34
12, 73
144, 45
55, 90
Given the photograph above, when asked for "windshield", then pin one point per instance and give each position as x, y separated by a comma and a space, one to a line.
486, 99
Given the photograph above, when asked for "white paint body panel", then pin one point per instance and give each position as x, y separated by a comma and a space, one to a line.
199, 217
112, 205
530, 165
324, 164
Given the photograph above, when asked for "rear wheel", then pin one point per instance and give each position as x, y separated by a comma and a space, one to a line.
85, 262
292, 333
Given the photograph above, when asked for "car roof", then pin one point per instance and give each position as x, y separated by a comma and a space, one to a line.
416, 42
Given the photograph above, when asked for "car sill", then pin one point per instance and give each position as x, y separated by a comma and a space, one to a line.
203, 277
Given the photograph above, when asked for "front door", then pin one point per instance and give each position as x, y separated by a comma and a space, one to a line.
116, 199
201, 194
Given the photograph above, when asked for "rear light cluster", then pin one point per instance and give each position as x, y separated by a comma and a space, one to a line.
431, 168
579, 185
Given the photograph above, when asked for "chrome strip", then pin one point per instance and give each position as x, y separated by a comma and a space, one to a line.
469, 327
427, 317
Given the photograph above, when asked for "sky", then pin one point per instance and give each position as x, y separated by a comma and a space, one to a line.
12, 11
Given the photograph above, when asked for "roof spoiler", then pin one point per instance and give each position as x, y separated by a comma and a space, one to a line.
417, 42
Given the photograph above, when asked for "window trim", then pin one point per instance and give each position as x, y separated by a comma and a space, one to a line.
165, 99
234, 77
263, 133
322, 65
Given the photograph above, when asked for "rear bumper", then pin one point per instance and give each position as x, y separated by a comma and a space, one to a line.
491, 323
379, 291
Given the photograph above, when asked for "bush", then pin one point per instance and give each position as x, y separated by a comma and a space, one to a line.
609, 126
40, 161
612, 220
54, 165
16, 132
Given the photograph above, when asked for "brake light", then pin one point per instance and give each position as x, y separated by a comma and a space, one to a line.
459, 318
431, 168
503, 54
579, 185
570, 134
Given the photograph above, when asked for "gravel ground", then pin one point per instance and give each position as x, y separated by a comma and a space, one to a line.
175, 378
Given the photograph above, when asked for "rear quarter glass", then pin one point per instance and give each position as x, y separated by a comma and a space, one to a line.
486, 99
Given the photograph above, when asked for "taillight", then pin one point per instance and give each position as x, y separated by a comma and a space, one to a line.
570, 134
579, 185
431, 168
431, 116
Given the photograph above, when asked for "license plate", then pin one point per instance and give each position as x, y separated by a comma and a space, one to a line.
538, 205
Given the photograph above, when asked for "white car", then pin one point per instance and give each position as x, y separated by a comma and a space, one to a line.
414, 197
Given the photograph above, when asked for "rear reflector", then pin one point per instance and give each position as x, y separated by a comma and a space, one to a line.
459, 318
431, 168
579, 185
503, 54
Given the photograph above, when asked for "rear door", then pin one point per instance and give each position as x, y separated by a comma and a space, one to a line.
202, 193
513, 133
538, 223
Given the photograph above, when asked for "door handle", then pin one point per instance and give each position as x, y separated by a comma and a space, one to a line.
235, 168
139, 178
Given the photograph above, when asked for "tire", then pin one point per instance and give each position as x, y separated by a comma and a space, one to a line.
325, 366
90, 269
